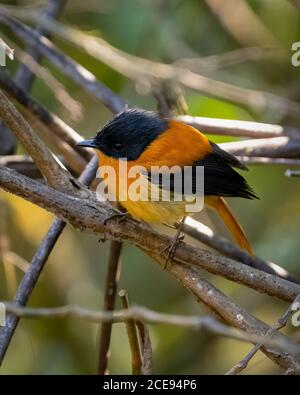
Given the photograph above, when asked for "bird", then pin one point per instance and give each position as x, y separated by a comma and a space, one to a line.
145, 139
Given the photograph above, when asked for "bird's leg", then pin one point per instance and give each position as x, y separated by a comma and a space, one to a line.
119, 215
171, 248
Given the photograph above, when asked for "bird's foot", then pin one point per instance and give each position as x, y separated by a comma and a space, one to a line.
171, 249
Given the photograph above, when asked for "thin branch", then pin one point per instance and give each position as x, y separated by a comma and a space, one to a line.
78, 73
111, 283
146, 347
136, 358
281, 323
274, 147
256, 160
229, 311
50, 120
55, 175
205, 235
24, 77
230, 58
150, 316
227, 127
72, 106
91, 215
37, 264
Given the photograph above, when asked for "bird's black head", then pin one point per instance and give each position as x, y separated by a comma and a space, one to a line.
127, 134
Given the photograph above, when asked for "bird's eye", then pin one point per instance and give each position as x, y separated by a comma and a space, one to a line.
117, 146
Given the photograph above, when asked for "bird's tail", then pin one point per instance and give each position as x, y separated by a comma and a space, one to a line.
221, 207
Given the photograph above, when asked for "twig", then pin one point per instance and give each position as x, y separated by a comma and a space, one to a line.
229, 311
90, 215
72, 106
78, 73
136, 358
228, 127
24, 77
146, 348
109, 303
281, 323
230, 58
143, 314
55, 175
40, 258
274, 147
52, 121
256, 160
205, 235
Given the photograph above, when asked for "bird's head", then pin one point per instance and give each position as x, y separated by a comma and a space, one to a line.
128, 134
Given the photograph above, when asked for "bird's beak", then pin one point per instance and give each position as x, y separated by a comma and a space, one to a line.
87, 143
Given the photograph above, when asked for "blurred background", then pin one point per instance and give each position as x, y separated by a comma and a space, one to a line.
165, 31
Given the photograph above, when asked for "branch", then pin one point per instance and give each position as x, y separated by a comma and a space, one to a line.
136, 358
274, 147
112, 278
50, 120
205, 235
90, 215
143, 314
281, 323
24, 77
55, 175
78, 73
226, 127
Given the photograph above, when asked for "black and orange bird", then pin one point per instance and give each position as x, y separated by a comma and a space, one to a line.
147, 140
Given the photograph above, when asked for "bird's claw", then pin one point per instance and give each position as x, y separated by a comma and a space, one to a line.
171, 248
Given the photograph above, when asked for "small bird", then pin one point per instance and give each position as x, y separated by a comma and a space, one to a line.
144, 139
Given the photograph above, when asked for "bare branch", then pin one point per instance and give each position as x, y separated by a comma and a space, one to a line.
228, 127
274, 147
205, 235
136, 358
78, 73
63, 131
55, 175
90, 215
143, 314
112, 278
281, 323
24, 77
